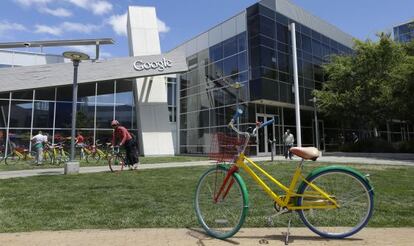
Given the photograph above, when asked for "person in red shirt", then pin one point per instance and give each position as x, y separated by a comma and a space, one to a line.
80, 143
124, 138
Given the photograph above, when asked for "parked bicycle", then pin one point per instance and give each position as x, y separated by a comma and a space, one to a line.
333, 201
19, 154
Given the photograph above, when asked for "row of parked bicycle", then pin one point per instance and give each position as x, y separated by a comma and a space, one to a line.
56, 154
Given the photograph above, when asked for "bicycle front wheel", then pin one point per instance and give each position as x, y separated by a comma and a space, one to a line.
354, 196
116, 163
221, 218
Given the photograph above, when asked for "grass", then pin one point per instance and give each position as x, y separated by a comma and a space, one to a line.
164, 198
24, 165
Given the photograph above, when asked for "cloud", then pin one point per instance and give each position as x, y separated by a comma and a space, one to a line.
98, 7
28, 3
67, 27
119, 24
8, 26
91, 51
53, 30
59, 12
79, 27
162, 27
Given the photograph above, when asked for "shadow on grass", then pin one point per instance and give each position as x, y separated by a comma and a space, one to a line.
202, 236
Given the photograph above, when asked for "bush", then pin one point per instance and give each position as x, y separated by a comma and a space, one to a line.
369, 145
406, 146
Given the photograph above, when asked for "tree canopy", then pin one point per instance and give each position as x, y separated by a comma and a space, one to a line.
374, 84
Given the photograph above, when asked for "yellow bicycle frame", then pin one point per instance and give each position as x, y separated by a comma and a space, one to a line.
316, 199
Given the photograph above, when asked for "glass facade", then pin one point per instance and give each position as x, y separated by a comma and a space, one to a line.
23, 113
261, 60
404, 33
208, 97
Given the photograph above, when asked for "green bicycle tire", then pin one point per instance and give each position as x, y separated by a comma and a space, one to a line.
352, 192
210, 214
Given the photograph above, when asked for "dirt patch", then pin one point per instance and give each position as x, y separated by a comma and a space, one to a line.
246, 236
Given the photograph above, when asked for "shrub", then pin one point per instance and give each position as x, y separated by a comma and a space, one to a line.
369, 145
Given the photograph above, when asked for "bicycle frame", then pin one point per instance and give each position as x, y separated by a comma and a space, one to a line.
321, 199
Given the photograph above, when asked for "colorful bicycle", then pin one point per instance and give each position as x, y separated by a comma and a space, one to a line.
333, 201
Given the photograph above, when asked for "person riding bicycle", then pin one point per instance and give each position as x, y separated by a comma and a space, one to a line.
126, 140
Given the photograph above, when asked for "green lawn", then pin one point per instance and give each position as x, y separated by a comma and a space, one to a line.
164, 198
144, 160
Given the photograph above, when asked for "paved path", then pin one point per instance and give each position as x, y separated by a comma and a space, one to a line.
183, 237
382, 160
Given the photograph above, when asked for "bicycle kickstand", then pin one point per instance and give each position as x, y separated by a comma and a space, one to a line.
288, 232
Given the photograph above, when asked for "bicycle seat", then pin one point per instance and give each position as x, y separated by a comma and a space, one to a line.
307, 153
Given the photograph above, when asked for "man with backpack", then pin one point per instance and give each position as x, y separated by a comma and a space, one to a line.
124, 138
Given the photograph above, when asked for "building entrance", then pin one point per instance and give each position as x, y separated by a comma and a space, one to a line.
265, 134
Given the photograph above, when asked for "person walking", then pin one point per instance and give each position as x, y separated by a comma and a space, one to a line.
38, 144
288, 140
125, 139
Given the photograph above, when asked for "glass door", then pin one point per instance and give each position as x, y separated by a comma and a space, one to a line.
265, 134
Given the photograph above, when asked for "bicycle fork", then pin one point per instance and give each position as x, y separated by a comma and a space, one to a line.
230, 172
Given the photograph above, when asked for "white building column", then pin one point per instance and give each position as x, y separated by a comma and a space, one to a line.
154, 130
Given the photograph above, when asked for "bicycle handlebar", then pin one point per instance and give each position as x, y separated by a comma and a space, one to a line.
247, 134
237, 114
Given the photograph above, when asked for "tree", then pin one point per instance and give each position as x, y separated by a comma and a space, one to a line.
362, 89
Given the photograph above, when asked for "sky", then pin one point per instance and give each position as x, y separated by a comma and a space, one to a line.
178, 20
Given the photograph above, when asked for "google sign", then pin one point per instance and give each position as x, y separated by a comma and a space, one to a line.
158, 65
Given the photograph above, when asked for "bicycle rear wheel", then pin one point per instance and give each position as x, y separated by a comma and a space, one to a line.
221, 219
12, 159
116, 163
354, 196
93, 158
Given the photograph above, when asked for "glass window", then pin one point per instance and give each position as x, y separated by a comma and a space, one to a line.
241, 41
64, 93
230, 47
4, 112
5, 95
84, 115
283, 62
267, 12
27, 94
216, 52
86, 93
242, 61
267, 27
104, 115
306, 44
282, 33
253, 10
105, 92
63, 115
253, 25
21, 114
230, 66
124, 110
268, 58
45, 94
317, 48
282, 19
43, 114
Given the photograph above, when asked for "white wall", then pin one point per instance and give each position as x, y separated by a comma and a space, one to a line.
155, 132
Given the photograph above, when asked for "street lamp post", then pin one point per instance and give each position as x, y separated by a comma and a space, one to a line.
75, 57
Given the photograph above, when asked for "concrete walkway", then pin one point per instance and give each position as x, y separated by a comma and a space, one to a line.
183, 237
383, 159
